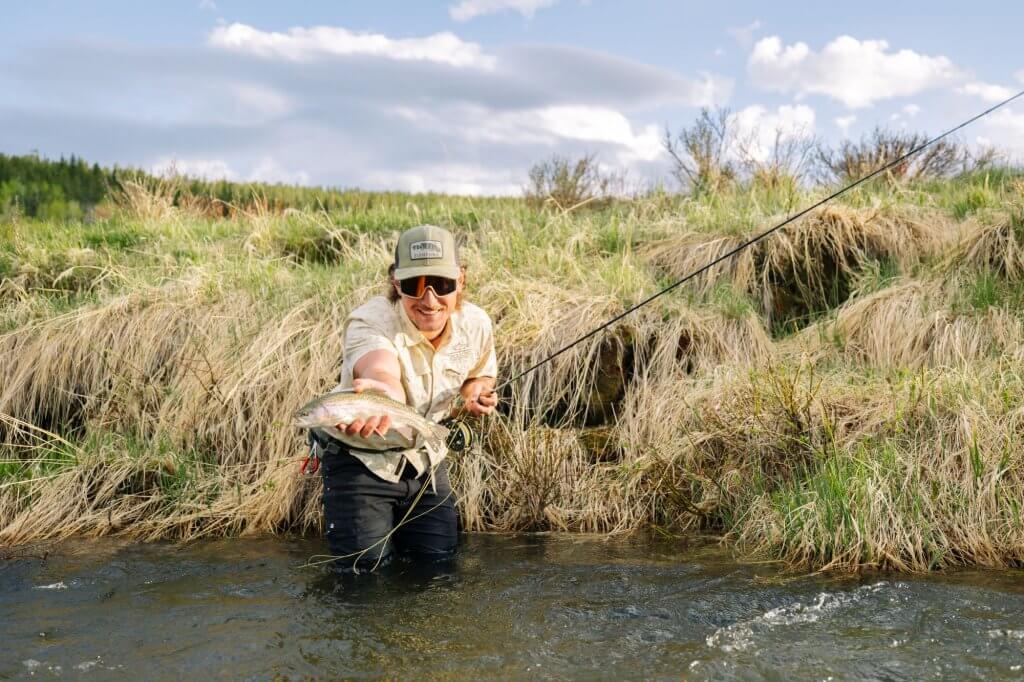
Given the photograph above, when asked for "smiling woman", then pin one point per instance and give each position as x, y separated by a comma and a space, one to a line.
422, 346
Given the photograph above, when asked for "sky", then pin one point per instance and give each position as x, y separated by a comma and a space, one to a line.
464, 96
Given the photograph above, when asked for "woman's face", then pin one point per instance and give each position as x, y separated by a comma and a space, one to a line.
430, 312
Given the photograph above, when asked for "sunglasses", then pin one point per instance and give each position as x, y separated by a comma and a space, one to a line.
415, 287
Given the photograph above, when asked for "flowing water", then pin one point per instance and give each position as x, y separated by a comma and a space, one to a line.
555, 607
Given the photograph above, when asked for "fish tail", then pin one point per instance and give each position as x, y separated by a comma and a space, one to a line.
438, 436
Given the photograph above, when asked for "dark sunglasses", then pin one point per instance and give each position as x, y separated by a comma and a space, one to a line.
417, 286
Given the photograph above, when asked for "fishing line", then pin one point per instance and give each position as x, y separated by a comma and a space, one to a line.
331, 558
756, 239
750, 242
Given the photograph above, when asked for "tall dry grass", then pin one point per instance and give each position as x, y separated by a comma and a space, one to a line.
808, 267
156, 404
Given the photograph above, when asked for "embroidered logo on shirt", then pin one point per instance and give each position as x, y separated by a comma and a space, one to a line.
461, 355
425, 250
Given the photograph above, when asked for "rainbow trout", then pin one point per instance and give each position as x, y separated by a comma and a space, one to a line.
408, 429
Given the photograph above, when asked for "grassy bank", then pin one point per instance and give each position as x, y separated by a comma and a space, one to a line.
845, 394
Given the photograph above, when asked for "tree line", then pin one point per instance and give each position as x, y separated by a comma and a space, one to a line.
71, 188
41, 188
709, 155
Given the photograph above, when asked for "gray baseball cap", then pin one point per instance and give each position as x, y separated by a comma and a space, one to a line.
426, 250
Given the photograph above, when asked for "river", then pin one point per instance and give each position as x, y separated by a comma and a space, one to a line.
509, 607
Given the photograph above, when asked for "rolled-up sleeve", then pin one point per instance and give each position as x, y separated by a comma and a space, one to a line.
361, 337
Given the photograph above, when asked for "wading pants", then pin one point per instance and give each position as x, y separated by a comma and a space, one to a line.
361, 509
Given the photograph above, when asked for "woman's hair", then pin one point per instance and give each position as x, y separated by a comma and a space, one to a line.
394, 296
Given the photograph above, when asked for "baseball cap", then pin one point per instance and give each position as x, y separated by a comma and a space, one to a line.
426, 250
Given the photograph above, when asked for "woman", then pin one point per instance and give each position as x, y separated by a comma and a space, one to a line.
422, 345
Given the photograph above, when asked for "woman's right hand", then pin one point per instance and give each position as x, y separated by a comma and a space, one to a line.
366, 428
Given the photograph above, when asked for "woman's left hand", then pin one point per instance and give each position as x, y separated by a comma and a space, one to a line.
479, 396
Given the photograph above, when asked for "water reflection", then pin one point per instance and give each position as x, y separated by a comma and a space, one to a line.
401, 576
556, 607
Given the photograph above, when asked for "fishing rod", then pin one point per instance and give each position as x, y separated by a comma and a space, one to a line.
755, 239
461, 436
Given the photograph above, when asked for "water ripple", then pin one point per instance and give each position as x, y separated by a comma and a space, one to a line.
741, 636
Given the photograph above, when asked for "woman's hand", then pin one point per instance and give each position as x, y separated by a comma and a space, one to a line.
479, 395
366, 428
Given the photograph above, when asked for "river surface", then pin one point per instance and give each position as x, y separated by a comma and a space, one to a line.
538, 607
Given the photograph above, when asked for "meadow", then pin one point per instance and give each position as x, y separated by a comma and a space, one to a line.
844, 395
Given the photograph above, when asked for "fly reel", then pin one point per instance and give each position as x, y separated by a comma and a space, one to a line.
460, 435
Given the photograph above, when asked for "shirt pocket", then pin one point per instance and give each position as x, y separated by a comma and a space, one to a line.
450, 382
455, 376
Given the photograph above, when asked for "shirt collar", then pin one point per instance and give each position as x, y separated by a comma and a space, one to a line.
408, 333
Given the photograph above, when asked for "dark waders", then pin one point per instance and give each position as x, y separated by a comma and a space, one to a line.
361, 509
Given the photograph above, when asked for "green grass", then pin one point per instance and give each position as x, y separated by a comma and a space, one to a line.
981, 291
974, 200
112, 237
7, 265
876, 275
797, 453
733, 304
41, 461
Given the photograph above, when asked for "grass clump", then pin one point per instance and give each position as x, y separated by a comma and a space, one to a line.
807, 269
997, 246
935, 484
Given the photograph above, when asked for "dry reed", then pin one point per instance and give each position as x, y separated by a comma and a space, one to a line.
808, 266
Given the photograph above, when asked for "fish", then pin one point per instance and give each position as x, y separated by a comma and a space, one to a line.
409, 430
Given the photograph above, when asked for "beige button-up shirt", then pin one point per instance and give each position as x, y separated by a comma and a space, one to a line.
431, 378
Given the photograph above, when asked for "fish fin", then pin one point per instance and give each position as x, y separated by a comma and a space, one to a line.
406, 431
333, 432
438, 438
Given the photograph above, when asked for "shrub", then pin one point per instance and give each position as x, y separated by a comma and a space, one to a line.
783, 165
700, 153
853, 160
567, 184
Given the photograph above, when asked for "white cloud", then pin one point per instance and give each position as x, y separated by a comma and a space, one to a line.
279, 107
844, 123
269, 170
899, 118
854, 72
759, 129
1019, 76
469, 9
594, 124
208, 5
305, 44
545, 127
265, 169
987, 91
450, 178
710, 91
260, 101
208, 169
744, 35
1005, 130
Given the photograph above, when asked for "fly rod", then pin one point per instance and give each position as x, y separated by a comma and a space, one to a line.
757, 238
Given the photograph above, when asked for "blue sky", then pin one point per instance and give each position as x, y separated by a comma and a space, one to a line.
464, 95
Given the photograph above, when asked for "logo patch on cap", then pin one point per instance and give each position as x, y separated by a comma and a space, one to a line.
425, 250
